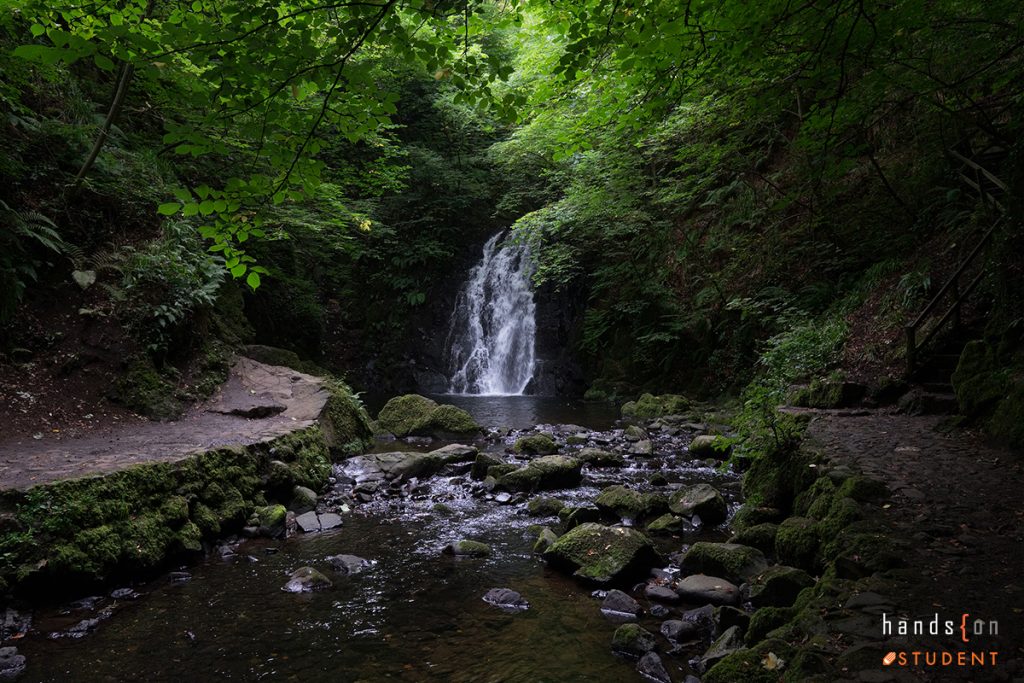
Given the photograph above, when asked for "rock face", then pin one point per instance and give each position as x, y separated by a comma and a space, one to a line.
732, 561
311, 522
548, 472
702, 589
415, 415
305, 580
629, 505
601, 554
506, 598
702, 500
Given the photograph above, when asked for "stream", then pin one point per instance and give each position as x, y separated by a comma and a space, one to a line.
415, 615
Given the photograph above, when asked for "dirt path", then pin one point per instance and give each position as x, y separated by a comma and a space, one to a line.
960, 505
258, 403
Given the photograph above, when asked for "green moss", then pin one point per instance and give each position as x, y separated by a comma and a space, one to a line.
272, 355
145, 391
765, 620
748, 665
544, 506
667, 524
633, 639
206, 520
777, 477
1007, 422
175, 511
546, 473
629, 504
190, 538
468, 548
863, 489
650, 406
737, 563
796, 542
602, 554
535, 444
842, 513
413, 414
817, 498
447, 419
345, 422
760, 536
751, 515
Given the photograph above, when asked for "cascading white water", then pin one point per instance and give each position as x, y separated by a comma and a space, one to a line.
490, 342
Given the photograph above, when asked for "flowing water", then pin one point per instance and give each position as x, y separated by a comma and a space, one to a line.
490, 343
416, 615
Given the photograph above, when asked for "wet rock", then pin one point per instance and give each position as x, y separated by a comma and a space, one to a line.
708, 446
734, 562
14, 623
124, 594
308, 522
641, 448
303, 500
506, 598
651, 667
632, 639
669, 524
617, 603
548, 472
727, 643
635, 433
595, 457
601, 554
349, 564
703, 589
269, 520
544, 540
455, 452
544, 506
702, 500
679, 631
660, 593
290, 525
658, 611
535, 444
466, 548
649, 406
414, 415
573, 517
305, 580
796, 542
11, 663
727, 616
482, 463
179, 577
778, 586
629, 505
657, 479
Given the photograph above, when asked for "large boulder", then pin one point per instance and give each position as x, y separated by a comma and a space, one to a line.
595, 457
548, 472
544, 506
633, 639
601, 554
732, 561
702, 500
415, 415
629, 505
535, 444
710, 446
467, 548
796, 542
620, 604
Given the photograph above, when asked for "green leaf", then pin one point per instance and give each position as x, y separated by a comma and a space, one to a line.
239, 270
253, 280
103, 62
169, 209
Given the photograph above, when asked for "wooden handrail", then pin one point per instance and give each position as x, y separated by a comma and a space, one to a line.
953, 283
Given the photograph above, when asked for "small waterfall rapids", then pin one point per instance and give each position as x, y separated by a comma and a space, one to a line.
491, 339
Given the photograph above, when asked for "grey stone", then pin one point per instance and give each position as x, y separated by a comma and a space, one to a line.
700, 588
305, 580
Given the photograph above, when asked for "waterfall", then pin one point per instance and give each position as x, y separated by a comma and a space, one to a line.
490, 342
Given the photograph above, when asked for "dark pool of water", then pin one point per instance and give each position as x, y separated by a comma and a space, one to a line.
520, 412
416, 616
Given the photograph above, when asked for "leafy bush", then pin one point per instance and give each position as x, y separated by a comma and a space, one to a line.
25, 236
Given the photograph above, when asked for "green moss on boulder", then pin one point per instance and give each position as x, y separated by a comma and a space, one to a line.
535, 444
667, 525
702, 500
760, 536
602, 555
546, 473
145, 391
466, 548
737, 563
747, 665
415, 415
627, 504
650, 406
633, 639
796, 542
544, 506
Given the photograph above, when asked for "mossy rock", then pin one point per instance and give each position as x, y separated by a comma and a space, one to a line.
544, 506
1007, 422
271, 520
818, 497
501, 469
778, 586
482, 463
545, 539
751, 515
979, 381
595, 457
603, 555
702, 500
466, 548
572, 517
633, 639
760, 536
630, 505
650, 406
765, 620
862, 489
842, 513
145, 391
748, 665
595, 395
796, 542
415, 415
731, 561
668, 524
546, 473
535, 444
775, 479
710, 446
273, 355
345, 423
